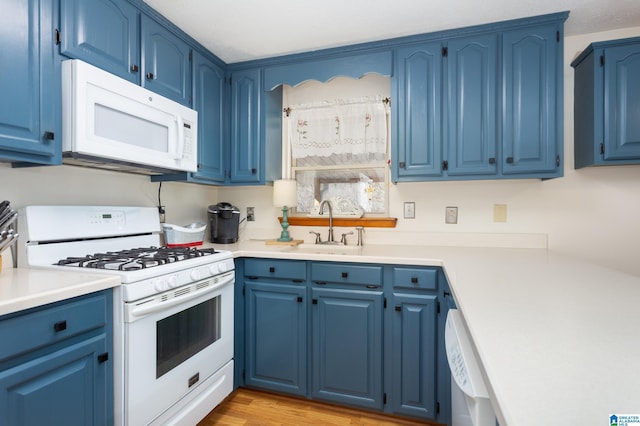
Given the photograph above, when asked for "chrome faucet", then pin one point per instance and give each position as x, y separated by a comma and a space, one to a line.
330, 239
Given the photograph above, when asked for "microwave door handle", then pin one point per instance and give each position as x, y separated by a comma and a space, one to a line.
180, 142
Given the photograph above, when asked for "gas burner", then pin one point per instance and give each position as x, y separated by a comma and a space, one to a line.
137, 258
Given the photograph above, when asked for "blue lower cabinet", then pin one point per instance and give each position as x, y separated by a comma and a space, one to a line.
276, 332
367, 336
58, 369
413, 361
59, 388
347, 346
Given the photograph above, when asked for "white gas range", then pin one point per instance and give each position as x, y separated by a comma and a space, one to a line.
173, 313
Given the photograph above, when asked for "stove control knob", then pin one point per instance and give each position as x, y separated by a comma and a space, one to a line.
159, 285
173, 281
213, 269
195, 274
222, 267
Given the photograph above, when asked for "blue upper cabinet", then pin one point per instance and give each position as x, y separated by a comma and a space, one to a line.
166, 62
256, 120
104, 33
30, 121
209, 100
607, 101
246, 147
472, 111
500, 115
416, 120
532, 130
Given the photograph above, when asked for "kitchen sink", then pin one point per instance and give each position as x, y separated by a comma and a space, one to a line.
328, 248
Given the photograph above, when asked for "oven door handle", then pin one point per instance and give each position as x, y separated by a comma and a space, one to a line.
140, 311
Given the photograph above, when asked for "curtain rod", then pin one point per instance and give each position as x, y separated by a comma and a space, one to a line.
386, 100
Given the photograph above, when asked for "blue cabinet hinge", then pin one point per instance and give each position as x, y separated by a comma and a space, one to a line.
243, 291
445, 51
558, 36
437, 407
438, 307
602, 60
445, 165
601, 149
385, 303
384, 398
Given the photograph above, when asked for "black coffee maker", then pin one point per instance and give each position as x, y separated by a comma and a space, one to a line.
224, 220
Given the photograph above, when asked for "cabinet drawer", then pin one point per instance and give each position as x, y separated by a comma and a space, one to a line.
43, 327
271, 268
347, 274
415, 278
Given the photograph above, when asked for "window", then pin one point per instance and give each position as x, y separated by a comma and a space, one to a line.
337, 148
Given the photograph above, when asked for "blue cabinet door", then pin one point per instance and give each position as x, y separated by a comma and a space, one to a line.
166, 63
472, 71
104, 33
347, 346
66, 387
30, 121
276, 337
622, 102
246, 122
209, 100
416, 120
414, 355
532, 110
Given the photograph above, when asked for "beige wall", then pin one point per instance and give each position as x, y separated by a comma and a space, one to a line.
593, 213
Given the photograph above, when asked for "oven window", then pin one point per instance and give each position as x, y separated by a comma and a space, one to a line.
186, 333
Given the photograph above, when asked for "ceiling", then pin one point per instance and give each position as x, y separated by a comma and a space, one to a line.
241, 30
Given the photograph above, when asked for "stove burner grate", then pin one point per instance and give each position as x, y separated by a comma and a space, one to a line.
137, 258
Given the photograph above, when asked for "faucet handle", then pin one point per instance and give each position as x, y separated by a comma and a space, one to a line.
360, 230
343, 240
318, 239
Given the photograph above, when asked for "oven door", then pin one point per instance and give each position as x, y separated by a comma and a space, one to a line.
174, 341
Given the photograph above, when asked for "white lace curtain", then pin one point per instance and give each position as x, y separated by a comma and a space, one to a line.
343, 130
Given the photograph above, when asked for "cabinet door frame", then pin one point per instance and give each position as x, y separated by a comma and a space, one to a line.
37, 378
472, 75
621, 95
338, 374
246, 127
276, 360
417, 116
166, 62
120, 54
531, 117
32, 129
209, 99
414, 321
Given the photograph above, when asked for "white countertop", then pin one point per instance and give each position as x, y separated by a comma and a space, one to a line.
558, 338
27, 288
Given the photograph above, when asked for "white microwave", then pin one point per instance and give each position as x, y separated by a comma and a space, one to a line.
111, 123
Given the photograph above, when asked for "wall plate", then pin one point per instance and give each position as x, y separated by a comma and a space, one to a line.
451, 215
409, 210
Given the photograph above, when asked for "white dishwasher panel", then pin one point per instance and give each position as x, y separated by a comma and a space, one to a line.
470, 404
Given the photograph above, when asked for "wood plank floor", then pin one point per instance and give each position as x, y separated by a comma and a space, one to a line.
252, 407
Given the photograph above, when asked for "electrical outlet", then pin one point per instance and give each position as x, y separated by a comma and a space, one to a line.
451, 215
251, 214
410, 210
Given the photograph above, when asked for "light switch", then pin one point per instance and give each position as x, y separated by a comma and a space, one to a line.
451, 215
499, 212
